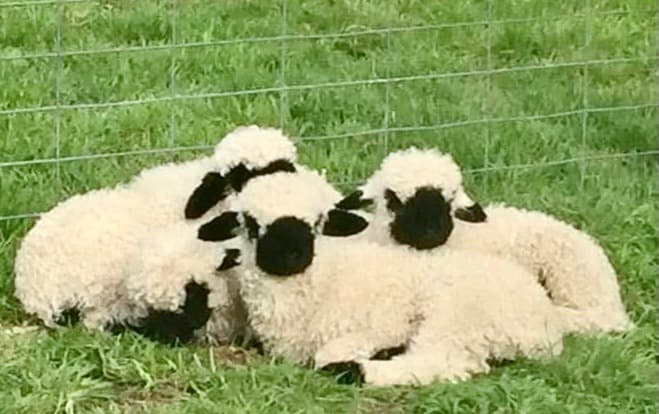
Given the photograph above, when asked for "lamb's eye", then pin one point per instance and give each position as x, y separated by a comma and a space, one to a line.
252, 226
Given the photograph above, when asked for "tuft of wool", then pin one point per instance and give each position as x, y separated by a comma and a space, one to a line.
405, 171
270, 197
254, 147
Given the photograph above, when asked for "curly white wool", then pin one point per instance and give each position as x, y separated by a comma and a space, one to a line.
405, 171
270, 197
254, 147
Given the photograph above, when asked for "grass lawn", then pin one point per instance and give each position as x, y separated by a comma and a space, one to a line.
529, 84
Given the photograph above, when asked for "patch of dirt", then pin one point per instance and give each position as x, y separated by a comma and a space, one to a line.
161, 394
235, 356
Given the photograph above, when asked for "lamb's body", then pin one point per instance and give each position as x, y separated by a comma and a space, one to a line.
75, 255
570, 264
78, 254
452, 310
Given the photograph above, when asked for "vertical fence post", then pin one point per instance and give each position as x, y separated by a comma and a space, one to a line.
283, 94
584, 91
486, 100
58, 89
172, 72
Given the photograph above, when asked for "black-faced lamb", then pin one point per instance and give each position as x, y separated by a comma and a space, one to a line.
419, 202
330, 300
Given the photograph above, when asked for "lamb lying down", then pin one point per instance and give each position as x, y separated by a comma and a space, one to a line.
77, 257
329, 300
418, 194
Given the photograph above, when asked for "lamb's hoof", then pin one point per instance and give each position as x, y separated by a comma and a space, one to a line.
346, 372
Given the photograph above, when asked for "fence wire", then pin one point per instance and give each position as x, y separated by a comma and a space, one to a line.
282, 87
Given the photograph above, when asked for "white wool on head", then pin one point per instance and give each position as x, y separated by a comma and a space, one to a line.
408, 170
253, 146
304, 194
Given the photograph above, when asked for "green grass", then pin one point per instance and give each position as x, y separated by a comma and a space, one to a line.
612, 199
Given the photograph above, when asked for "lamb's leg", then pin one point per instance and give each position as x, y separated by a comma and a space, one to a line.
355, 346
436, 352
423, 365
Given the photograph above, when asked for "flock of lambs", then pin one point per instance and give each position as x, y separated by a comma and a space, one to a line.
249, 244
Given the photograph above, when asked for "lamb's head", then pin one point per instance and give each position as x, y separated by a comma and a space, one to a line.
279, 216
245, 153
417, 194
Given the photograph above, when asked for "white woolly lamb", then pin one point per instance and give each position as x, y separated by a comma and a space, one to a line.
336, 300
76, 256
417, 195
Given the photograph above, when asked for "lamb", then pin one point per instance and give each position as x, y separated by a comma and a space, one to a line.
333, 300
77, 256
417, 194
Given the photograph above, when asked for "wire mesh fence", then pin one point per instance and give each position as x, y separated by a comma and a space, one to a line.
173, 96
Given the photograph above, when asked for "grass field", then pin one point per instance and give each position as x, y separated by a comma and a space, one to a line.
529, 70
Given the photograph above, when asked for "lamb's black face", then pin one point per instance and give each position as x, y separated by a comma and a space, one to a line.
286, 248
423, 221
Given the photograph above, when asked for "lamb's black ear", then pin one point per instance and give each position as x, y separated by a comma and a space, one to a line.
393, 202
212, 190
231, 259
472, 214
343, 223
281, 165
238, 176
354, 201
221, 228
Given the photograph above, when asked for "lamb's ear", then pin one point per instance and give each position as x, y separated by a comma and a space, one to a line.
354, 201
468, 210
238, 176
231, 259
221, 228
472, 214
212, 190
393, 202
343, 223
